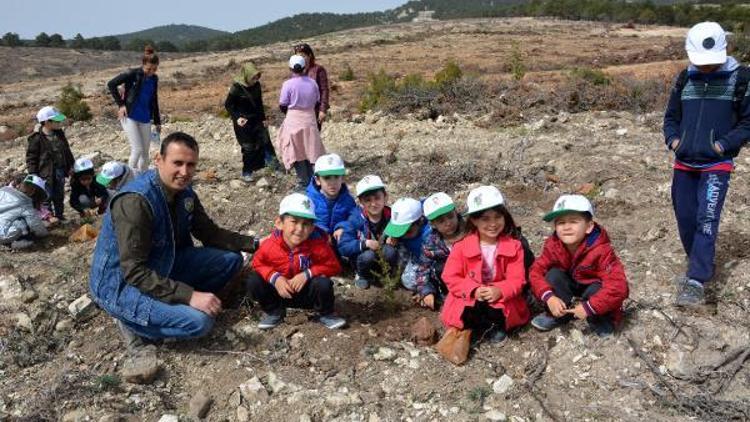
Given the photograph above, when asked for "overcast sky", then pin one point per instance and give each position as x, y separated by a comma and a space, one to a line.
95, 18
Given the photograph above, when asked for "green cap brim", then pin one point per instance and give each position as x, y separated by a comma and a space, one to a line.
58, 118
396, 230
102, 180
302, 215
440, 211
554, 214
334, 172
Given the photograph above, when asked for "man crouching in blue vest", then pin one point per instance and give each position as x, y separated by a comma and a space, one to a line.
146, 271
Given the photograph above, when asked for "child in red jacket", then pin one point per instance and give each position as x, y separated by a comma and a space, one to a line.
578, 262
485, 272
293, 266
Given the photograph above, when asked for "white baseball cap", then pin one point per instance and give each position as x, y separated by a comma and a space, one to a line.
482, 198
49, 113
706, 43
298, 205
329, 165
369, 183
570, 203
437, 204
37, 181
404, 212
110, 170
83, 164
296, 60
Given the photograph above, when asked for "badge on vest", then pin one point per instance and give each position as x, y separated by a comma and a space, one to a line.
189, 205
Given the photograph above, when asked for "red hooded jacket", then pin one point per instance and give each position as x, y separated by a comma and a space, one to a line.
314, 256
463, 275
594, 261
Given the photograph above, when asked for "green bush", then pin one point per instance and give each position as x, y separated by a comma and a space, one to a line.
595, 76
72, 105
516, 64
347, 74
379, 85
450, 73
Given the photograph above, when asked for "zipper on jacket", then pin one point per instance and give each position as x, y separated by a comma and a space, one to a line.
700, 110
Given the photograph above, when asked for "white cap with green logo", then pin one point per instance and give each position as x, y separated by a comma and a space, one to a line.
437, 204
570, 203
329, 165
369, 183
298, 205
404, 212
482, 198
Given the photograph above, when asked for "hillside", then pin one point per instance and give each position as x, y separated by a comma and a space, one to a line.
174, 33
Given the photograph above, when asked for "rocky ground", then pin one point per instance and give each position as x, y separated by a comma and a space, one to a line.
63, 360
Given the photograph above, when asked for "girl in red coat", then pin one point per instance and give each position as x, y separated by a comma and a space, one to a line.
578, 262
485, 272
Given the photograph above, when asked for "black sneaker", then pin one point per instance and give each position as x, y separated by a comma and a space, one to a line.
496, 335
602, 326
691, 294
272, 319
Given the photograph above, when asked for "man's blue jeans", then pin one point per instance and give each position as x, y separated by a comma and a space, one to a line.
206, 270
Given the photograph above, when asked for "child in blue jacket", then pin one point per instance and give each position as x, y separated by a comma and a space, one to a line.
706, 122
327, 190
362, 238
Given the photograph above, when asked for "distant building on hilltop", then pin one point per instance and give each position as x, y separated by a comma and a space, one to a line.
424, 16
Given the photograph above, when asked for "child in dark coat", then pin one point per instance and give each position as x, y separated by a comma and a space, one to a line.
86, 195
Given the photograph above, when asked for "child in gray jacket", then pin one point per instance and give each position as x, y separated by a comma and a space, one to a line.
19, 216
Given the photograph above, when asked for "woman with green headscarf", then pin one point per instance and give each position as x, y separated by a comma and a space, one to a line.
245, 105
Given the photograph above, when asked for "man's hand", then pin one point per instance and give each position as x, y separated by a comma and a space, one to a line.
556, 306
283, 288
207, 303
241, 122
337, 234
372, 245
122, 113
298, 282
673, 145
577, 312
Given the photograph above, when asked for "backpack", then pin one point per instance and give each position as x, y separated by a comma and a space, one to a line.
740, 88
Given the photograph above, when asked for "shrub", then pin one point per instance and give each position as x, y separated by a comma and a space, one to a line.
449, 74
595, 76
347, 74
516, 64
379, 85
72, 105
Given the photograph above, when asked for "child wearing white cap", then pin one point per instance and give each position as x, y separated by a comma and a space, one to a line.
362, 239
407, 232
298, 140
448, 227
19, 218
87, 196
329, 193
48, 155
294, 265
578, 262
485, 271
706, 123
113, 176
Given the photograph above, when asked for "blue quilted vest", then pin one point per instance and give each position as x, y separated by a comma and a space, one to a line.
108, 286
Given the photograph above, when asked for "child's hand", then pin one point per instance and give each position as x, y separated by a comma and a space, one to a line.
372, 245
298, 282
283, 288
391, 241
556, 306
480, 293
428, 301
493, 294
337, 234
577, 312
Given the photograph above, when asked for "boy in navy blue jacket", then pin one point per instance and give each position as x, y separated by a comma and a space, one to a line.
327, 190
362, 238
706, 123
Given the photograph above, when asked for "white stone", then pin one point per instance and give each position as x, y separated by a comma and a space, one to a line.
10, 288
169, 418
495, 415
82, 308
23, 322
502, 385
621, 132
384, 353
262, 183
253, 390
242, 414
276, 384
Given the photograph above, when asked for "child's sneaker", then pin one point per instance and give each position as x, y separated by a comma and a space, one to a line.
247, 176
272, 319
331, 321
691, 294
545, 322
496, 335
360, 282
21, 244
680, 281
601, 326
